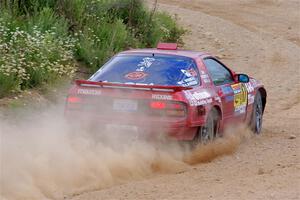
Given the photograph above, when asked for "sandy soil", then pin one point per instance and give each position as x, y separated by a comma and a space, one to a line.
261, 38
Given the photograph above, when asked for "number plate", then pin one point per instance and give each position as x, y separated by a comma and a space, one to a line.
124, 105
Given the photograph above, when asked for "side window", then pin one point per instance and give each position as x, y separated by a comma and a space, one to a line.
219, 73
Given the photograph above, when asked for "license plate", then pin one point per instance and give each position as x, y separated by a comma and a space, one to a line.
124, 105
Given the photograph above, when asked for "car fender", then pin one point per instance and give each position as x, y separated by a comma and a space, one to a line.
200, 102
253, 87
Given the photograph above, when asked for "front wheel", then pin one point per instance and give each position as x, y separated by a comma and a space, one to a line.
210, 130
257, 115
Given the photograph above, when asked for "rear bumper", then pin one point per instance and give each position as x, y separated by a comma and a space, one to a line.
175, 128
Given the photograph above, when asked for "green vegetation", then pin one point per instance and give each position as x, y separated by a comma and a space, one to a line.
42, 40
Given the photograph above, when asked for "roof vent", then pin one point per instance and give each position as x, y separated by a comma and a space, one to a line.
167, 46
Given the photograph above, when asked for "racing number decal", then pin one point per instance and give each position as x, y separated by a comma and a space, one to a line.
240, 98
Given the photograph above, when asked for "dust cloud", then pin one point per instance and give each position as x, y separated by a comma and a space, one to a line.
43, 157
225, 145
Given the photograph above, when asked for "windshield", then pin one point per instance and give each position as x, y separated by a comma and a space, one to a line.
150, 70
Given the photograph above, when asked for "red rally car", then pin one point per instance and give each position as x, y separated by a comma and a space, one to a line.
187, 95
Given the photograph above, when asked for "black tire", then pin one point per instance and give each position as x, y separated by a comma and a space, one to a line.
257, 115
210, 130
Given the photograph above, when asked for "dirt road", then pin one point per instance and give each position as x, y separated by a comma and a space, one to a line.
261, 38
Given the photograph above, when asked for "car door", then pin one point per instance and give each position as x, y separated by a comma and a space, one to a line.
233, 95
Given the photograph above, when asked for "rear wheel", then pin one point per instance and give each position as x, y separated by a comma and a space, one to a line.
257, 114
210, 130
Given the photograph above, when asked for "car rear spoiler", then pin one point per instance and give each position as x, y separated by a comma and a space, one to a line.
85, 83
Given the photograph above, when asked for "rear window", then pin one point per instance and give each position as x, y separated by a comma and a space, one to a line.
149, 70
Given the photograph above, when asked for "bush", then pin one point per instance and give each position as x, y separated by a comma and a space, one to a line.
170, 32
99, 41
27, 7
30, 60
148, 26
46, 20
8, 84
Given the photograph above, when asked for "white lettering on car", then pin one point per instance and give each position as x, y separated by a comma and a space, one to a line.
161, 97
189, 79
218, 99
201, 95
250, 99
89, 92
240, 110
188, 82
249, 87
146, 63
198, 98
186, 73
254, 82
205, 78
203, 102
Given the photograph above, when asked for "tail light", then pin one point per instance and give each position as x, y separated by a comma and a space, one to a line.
158, 105
73, 99
175, 109
74, 102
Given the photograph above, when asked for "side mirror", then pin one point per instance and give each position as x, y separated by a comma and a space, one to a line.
242, 78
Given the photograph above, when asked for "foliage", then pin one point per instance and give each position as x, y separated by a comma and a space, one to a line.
32, 59
100, 41
40, 40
